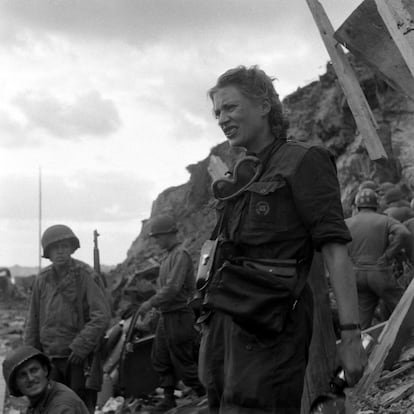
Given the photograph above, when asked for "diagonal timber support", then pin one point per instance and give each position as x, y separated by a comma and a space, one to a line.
400, 25
400, 320
357, 102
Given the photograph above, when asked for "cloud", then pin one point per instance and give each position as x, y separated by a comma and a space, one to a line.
89, 114
82, 196
12, 131
146, 21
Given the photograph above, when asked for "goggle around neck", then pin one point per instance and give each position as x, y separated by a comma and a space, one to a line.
246, 171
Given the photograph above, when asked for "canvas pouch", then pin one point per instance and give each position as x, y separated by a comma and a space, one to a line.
258, 295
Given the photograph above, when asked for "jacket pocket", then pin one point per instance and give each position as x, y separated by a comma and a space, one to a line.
268, 205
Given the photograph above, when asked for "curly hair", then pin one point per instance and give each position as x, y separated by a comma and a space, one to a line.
253, 83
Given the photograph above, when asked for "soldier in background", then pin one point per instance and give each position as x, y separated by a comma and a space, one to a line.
368, 184
376, 240
26, 372
68, 315
397, 206
173, 353
381, 190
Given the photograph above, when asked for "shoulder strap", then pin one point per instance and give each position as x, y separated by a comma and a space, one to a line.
219, 225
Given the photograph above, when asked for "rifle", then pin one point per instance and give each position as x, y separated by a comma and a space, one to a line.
96, 261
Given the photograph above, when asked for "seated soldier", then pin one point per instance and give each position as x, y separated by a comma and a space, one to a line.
26, 372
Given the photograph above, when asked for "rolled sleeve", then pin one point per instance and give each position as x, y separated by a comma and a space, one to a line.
317, 197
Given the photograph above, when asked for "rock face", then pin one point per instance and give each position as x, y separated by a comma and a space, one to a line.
318, 113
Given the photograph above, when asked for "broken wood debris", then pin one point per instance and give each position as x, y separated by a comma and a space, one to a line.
397, 394
398, 322
389, 375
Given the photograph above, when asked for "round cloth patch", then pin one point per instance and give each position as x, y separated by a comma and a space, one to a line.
262, 208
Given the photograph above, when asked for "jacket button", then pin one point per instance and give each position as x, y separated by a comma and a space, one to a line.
249, 347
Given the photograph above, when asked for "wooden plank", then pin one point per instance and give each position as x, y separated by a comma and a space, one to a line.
398, 21
357, 102
397, 394
375, 330
392, 374
366, 36
399, 320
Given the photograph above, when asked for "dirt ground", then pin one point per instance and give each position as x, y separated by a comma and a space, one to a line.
12, 317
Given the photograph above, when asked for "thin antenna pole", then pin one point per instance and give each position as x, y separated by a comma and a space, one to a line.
40, 219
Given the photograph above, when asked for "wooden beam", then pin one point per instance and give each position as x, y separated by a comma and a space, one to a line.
387, 376
401, 319
397, 394
365, 35
357, 102
399, 23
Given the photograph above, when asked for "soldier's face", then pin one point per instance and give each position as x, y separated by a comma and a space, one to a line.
60, 252
242, 120
163, 240
31, 378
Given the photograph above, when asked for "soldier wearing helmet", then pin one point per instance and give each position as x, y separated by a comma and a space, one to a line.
376, 240
368, 184
396, 206
26, 372
68, 315
57, 233
366, 198
173, 355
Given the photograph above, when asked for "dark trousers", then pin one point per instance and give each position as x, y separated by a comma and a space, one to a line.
73, 376
174, 355
248, 373
373, 285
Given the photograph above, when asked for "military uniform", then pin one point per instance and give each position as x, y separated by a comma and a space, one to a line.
58, 399
53, 398
293, 208
55, 327
376, 239
173, 354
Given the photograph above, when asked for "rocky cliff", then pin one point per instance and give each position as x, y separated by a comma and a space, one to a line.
318, 113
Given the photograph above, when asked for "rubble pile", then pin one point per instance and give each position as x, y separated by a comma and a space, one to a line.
11, 336
11, 328
393, 393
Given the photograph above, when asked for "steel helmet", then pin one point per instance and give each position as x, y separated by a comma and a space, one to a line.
366, 198
162, 224
15, 360
384, 187
368, 184
56, 233
393, 195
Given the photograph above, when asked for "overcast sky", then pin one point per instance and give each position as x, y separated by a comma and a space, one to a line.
109, 99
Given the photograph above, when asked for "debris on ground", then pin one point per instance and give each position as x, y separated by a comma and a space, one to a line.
392, 393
